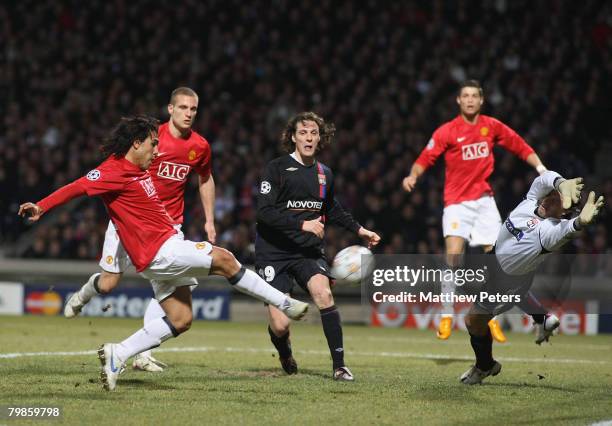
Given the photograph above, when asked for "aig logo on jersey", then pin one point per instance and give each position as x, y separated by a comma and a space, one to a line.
173, 171
475, 150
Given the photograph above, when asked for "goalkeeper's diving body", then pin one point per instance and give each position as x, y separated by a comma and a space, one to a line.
535, 228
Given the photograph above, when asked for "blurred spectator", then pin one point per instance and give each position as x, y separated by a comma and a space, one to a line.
385, 73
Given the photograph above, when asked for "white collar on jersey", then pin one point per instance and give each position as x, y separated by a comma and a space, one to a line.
296, 158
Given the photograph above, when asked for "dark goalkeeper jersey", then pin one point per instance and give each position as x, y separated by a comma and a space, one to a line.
289, 194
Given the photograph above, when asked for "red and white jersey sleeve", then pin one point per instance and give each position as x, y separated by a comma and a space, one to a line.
134, 207
468, 155
435, 147
170, 170
510, 140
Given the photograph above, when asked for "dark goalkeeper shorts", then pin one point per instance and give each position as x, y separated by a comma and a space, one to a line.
500, 283
282, 274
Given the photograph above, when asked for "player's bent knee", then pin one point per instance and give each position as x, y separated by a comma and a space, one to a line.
323, 298
182, 323
224, 263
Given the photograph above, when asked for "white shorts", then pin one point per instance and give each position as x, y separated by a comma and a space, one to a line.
114, 257
476, 221
176, 264
116, 260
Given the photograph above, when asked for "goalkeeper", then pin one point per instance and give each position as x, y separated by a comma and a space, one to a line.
535, 228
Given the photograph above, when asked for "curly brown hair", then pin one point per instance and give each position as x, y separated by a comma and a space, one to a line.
128, 130
326, 130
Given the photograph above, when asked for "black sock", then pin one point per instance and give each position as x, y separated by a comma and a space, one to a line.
282, 344
483, 349
532, 306
95, 284
330, 317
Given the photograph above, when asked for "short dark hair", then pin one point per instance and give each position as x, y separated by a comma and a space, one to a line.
326, 130
471, 83
128, 130
186, 91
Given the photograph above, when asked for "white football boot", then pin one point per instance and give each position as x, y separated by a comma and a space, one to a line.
294, 309
146, 362
475, 375
545, 330
73, 306
343, 374
111, 366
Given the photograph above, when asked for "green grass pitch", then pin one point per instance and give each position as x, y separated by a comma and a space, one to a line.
226, 373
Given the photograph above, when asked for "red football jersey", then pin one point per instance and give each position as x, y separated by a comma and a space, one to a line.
468, 155
171, 168
132, 202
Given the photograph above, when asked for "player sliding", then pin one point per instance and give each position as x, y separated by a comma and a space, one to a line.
146, 232
533, 229
470, 213
181, 150
295, 203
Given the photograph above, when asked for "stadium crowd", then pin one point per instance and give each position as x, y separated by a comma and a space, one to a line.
386, 74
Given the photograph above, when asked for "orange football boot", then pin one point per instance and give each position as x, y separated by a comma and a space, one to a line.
496, 331
445, 328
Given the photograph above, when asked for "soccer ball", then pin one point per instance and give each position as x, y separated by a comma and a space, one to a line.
352, 264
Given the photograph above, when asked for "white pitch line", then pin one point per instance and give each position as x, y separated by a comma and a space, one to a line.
412, 355
433, 341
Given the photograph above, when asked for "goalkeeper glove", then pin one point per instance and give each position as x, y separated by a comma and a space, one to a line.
570, 191
590, 210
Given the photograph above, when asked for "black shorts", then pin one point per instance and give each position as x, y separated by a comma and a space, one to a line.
281, 274
500, 283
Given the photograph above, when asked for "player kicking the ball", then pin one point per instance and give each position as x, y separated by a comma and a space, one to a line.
295, 203
470, 213
181, 150
532, 230
156, 250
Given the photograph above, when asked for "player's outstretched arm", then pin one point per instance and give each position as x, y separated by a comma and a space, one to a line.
410, 181
59, 197
555, 234
31, 210
371, 237
543, 184
534, 161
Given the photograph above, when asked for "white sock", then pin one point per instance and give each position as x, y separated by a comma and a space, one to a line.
250, 283
150, 336
88, 290
447, 287
154, 311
